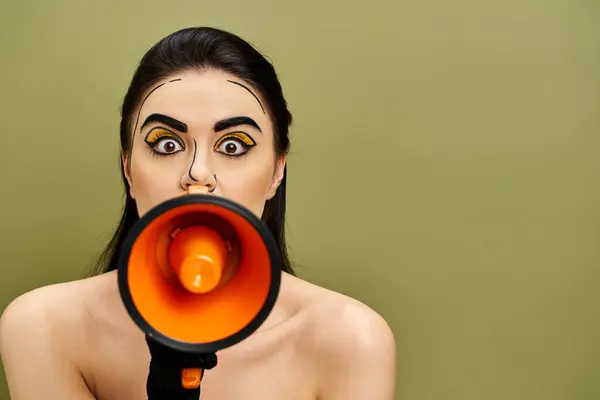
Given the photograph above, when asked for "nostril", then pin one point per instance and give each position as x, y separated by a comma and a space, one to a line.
215, 185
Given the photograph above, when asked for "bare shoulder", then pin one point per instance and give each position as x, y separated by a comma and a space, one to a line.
45, 329
345, 320
39, 310
53, 309
353, 346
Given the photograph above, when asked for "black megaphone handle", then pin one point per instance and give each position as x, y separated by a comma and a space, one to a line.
165, 373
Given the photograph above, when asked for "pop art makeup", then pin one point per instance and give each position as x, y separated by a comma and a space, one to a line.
204, 128
167, 141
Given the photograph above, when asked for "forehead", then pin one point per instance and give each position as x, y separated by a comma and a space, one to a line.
199, 98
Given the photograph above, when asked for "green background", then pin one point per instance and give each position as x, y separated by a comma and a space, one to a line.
444, 167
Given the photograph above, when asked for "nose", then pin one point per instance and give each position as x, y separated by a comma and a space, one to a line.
199, 173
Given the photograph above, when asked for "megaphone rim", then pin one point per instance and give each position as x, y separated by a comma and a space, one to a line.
157, 211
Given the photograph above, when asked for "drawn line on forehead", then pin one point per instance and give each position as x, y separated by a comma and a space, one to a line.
137, 120
251, 92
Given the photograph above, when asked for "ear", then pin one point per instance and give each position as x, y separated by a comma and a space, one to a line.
126, 171
277, 176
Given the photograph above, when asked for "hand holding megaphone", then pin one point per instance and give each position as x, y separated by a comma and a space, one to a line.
197, 273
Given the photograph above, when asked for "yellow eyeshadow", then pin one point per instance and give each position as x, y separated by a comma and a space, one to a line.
157, 134
247, 140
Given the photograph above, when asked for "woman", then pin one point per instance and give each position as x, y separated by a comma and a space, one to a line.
204, 108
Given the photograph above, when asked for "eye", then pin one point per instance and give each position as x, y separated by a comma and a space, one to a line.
232, 147
234, 144
163, 142
167, 146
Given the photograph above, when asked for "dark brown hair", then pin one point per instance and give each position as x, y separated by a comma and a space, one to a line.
201, 48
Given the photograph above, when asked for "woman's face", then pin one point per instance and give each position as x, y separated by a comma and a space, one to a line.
205, 128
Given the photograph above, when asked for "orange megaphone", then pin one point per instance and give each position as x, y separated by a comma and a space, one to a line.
199, 273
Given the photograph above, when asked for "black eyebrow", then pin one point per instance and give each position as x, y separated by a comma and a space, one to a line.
165, 119
235, 121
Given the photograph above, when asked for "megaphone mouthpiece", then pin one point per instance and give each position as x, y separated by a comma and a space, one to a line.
198, 254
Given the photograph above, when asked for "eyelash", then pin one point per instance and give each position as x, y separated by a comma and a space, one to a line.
237, 137
157, 137
155, 153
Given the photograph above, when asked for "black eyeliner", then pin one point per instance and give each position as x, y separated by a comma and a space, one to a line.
174, 135
232, 135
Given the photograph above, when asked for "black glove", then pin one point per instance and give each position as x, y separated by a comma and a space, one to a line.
166, 365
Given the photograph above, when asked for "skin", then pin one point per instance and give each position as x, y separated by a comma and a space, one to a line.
75, 340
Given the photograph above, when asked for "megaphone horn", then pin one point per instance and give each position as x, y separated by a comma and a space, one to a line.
199, 273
